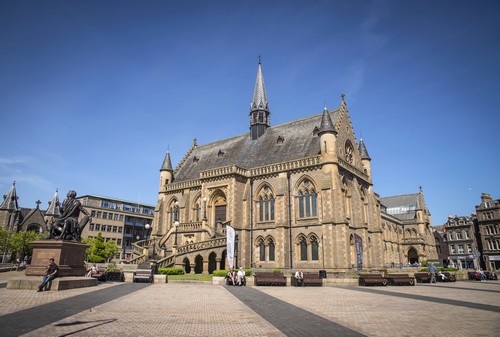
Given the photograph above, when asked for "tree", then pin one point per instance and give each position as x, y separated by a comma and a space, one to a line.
5, 246
100, 251
21, 242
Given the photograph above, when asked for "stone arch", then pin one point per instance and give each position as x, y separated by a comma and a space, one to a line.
212, 263
308, 197
34, 227
223, 260
218, 203
196, 207
187, 265
198, 264
412, 255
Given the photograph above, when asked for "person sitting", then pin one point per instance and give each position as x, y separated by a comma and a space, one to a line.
441, 276
231, 277
241, 277
299, 278
481, 275
50, 274
92, 270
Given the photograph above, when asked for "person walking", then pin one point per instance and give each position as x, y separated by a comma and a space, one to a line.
432, 271
50, 274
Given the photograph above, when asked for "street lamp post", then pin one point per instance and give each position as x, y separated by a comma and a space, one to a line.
150, 229
176, 228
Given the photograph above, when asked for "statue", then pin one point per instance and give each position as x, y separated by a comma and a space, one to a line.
66, 226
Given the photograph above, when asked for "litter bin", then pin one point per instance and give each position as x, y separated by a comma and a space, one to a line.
322, 274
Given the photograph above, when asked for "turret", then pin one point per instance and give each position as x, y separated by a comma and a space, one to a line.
365, 158
166, 172
327, 137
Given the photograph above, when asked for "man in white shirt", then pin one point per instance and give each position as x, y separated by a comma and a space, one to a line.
299, 278
241, 277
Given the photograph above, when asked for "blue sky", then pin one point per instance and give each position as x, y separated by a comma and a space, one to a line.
93, 93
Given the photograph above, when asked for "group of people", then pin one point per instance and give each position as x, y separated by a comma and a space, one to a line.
236, 277
435, 273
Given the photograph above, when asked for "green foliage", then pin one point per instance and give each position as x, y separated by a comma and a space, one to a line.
219, 273
15, 241
171, 271
276, 270
100, 251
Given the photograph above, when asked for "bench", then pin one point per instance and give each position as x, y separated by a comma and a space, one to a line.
100, 274
423, 277
448, 277
143, 275
491, 275
270, 279
310, 279
400, 280
372, 280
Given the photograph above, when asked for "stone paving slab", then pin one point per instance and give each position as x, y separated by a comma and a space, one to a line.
178, 309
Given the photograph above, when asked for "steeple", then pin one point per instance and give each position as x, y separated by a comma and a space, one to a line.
259, 107
53, 209
10, 201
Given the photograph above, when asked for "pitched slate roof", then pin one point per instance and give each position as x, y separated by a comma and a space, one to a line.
402, 201
10, 201
362, 150
298, 142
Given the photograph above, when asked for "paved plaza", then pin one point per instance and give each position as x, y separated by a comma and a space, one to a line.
188, 309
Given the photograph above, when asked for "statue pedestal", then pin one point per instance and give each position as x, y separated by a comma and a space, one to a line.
68, 255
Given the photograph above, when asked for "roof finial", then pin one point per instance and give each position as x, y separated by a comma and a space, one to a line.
260, 57
420, 188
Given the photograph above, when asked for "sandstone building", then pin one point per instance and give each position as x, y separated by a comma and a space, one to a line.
299, 195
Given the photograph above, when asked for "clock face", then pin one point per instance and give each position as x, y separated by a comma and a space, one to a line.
349, 152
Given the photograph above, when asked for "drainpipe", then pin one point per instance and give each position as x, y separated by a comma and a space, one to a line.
290, 217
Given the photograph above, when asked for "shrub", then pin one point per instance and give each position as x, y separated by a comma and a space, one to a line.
219, 272
276, 270
171, 271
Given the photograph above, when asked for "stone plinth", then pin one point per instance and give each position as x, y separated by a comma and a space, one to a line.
160, 278
68, 255
59, 283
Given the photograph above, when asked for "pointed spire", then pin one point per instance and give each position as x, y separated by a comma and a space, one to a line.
259, 99
10, 201
53, 209
326, 123
167, 163
362, 150
259, 107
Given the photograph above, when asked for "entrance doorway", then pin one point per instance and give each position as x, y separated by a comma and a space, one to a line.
412, 256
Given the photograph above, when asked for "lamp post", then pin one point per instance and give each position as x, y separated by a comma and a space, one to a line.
176, 228
150, 229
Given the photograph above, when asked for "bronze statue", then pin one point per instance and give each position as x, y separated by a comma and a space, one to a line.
66, 226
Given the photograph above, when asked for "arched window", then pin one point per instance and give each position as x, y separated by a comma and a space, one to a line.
266, 205
271, 249
262, 251
303, 249
314, 249
197, 209
307, 200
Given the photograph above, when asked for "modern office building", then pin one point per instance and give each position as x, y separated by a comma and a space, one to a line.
119, 220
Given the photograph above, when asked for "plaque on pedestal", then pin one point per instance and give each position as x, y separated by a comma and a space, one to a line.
68, 255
